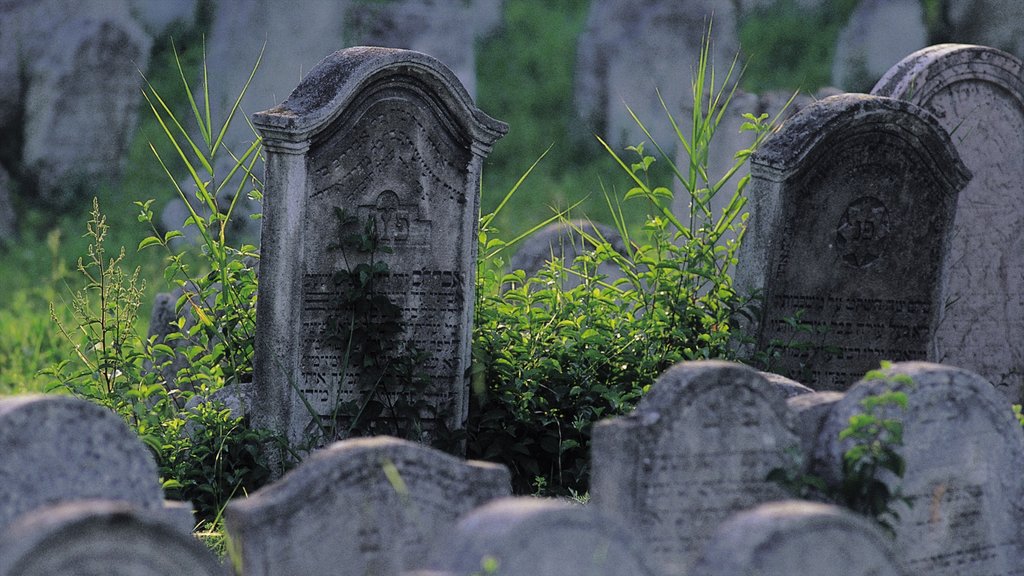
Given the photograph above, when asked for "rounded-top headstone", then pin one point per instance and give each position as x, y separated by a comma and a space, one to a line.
698, 447
963, 451
797, 537
373, 505
59, 449
94, 537
527, 536
977, 94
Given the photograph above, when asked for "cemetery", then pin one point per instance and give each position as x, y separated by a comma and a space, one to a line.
804, 360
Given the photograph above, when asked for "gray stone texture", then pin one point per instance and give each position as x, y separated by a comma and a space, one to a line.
852, 204
995, 23
796, 537
529, 536
809, 414
963, 450
698, 448
60, 449
385, 134
361, 506
96, 537
629, 50
78, 97
878, 34
785, 387
564, 242
977, 94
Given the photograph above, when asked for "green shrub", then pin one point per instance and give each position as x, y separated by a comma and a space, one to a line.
549, 361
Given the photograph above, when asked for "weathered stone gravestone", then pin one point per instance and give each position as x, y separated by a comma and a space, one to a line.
101, 537
964, 451
977, 94
360, 506
61, 449
529, 536
698, 447
391, 138
796, 537
852, 204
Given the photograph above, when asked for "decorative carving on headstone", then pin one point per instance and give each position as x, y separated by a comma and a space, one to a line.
391, 137
852, 203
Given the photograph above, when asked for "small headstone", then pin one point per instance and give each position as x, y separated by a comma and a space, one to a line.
101, 537
528, 536
852, 204
61, 449
360, 506
809, 414
786, 387
796, 537
964, 451
564, 242
391, 137
878, 34
698, 447
977, 94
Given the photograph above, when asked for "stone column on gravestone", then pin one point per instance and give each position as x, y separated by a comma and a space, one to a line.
698, 448
964, 452
101, 537
391, 137
852, 203
977, 94
796, 537
359, 506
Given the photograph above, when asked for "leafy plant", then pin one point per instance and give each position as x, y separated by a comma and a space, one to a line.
550, 360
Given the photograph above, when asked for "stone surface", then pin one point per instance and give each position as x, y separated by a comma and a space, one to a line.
81, 97
963, 450
630, 49
364, 506
795, 537
101, 537
977, 94
565, 241
529, 536
60, 449
996, 23
878, 34
852, 204
697, 448
391, 137
785, 387
809, 414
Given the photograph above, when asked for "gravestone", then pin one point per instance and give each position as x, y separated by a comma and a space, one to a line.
529, 536
996, 23
796, 537
698, 447
101, 537
392, 138
852, 203
809, 414
977, 94
62, 449
878, 34
360, 506
964, 451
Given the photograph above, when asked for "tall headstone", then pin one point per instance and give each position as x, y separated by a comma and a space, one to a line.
101, 537
391, 137
61, 449
977, 94
796, 537
964, 451
852, 204
698, 447
360, 506
528, 536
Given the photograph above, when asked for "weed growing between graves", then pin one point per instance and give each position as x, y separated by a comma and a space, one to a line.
549, 361
873, 453
205, 454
